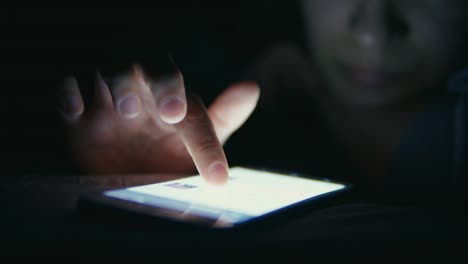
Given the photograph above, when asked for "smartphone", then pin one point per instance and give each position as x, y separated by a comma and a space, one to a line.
250, 196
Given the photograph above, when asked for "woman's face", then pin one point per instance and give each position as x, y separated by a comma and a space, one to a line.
381, 52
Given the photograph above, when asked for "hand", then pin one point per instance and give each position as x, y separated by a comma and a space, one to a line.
141, 125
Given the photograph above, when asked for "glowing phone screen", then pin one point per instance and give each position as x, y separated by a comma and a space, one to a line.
247, 194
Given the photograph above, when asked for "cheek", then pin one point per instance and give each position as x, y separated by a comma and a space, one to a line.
438, 47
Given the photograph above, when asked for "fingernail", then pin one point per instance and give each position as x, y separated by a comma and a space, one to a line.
217, 173
129, 106
71, 105
172, 106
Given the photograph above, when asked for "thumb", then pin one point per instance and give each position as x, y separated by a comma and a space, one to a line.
232, 107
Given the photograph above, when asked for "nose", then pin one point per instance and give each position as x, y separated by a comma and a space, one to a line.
377, 23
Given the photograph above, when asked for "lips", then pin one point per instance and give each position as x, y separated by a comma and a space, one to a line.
367, 77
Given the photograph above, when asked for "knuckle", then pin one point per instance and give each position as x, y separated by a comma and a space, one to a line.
207, 144
97, 127
99, 132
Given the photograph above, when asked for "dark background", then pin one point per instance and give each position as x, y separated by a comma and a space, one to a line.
211, 42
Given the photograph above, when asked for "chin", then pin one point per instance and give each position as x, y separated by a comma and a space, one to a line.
361, 94
371, 87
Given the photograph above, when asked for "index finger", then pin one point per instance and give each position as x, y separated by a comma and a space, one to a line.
199, 136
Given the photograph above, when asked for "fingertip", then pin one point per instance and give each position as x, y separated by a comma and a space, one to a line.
233, 107
254, 87
217, 173
250, 87
250, 84
245, 89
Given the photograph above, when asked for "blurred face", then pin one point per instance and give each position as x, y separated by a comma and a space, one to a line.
380, 52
